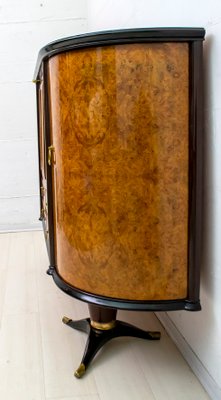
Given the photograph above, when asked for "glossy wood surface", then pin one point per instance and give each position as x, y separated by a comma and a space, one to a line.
120, 126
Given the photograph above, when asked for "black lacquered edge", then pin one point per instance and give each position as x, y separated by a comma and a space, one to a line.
195, 169
164, 305
118, 37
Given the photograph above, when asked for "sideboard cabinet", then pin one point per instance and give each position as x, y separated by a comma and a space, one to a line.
120, 164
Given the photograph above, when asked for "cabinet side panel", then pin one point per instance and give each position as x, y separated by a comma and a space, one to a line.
120, 128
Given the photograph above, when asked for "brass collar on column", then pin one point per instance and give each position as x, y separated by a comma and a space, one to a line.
103, 326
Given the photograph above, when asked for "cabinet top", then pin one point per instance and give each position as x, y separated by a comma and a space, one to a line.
114, 37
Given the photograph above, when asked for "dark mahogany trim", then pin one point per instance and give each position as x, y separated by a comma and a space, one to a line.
164, 305
195, 169
39, 163
50, 244
118, 37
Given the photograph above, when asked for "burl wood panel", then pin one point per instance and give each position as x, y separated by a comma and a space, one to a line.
119, 121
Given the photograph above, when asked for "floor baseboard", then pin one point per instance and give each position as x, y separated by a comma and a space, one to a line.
191, 358
21, 229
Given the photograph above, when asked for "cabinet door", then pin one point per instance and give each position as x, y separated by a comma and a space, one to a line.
120, 129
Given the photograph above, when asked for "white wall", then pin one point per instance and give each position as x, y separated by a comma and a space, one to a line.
26, 26
201, 331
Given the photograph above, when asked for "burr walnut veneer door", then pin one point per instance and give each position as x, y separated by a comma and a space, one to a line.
119, 122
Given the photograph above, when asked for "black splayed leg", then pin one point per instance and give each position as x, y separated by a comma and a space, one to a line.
100, 333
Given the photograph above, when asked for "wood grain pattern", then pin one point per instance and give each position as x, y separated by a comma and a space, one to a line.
119, 123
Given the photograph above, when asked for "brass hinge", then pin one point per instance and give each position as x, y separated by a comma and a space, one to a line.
51, 155
36, 80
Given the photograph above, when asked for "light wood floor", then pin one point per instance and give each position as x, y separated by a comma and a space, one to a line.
38, 354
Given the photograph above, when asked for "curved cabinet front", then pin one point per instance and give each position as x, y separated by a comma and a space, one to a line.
121, 155
119, 127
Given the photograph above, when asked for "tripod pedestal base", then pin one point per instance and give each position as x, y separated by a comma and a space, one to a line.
100, 333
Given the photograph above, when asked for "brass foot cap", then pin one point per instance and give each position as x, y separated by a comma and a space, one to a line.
80, 371
65, 320
155, 335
